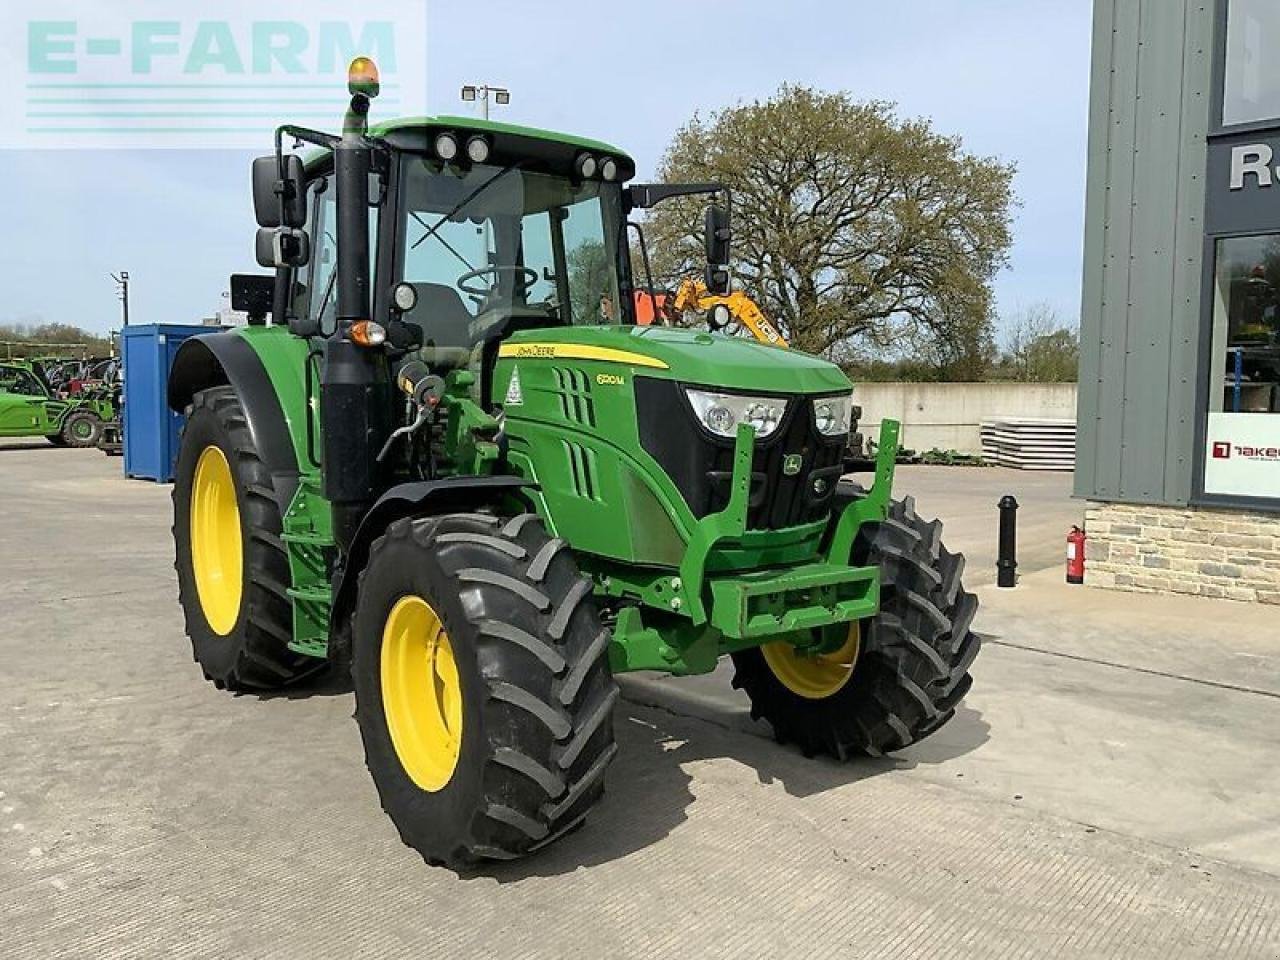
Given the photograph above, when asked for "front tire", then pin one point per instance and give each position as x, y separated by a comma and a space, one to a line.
81, 429
483, 691
900, 675
233, 573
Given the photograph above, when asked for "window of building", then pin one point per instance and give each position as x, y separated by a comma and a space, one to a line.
1252, 91
1243, 443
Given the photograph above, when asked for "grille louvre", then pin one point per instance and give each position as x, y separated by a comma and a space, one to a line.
573, 388
583, 470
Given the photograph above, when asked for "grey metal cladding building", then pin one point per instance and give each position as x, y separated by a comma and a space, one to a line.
1179, 409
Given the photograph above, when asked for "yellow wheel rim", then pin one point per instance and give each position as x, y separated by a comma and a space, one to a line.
421, 693
814, 677
217, 557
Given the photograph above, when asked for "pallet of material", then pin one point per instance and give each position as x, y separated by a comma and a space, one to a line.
1027, 443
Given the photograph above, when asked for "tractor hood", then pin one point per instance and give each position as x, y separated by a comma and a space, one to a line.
690, 356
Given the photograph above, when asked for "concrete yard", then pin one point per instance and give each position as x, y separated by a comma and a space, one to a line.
1108, 789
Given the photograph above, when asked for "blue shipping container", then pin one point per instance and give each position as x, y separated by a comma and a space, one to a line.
150, 427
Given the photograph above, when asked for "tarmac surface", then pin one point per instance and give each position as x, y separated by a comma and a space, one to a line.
1108, 789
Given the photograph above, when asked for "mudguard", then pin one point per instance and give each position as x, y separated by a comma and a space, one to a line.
217, 359
407, 500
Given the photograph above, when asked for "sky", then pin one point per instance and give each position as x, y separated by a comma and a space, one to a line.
1009, 77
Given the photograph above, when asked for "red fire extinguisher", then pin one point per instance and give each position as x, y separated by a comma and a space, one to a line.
1075, 555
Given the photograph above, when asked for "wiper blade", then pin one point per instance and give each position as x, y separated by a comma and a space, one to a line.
447, 245
465, 200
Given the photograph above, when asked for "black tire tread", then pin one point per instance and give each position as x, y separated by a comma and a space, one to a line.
547, 691
261, 659
914, 666
69, 440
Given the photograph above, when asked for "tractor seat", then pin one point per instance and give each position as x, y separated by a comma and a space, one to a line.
445, 323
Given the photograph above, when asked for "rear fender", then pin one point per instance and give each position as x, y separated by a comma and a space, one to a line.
219, 359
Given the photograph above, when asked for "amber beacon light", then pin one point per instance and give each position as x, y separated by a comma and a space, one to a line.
362, 77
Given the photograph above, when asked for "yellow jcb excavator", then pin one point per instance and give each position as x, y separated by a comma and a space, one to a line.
726, 313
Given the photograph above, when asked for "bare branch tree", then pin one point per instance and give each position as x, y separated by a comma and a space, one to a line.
1039, 346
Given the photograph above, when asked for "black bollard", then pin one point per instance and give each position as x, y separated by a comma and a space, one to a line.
1007, 564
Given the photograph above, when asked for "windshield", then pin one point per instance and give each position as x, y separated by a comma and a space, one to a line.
492, 247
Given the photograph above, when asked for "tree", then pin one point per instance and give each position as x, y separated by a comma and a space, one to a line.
59, 338
589, 280
852, 228
1040, 347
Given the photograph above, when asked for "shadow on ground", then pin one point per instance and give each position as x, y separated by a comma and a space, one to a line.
649, 786
661, 732
325, 682
38, 444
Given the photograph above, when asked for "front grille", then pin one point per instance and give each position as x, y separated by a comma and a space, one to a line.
701, 465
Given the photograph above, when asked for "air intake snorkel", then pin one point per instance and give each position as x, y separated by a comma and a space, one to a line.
355, 394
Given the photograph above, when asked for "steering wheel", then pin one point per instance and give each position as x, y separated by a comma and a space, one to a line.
530, 275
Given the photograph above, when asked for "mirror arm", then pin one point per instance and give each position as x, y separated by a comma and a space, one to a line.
642, 196
280, 295
300, 135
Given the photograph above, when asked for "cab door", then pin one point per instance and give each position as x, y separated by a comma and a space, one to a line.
22, 404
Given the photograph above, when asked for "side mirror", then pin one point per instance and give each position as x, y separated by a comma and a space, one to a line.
268, 189
718, 234
282, 247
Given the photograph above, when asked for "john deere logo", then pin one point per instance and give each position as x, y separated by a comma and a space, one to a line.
791, 464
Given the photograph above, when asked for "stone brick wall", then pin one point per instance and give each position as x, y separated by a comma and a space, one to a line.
1202, 552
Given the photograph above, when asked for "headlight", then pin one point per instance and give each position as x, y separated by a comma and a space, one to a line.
832, 415
721, 413
478, 149
446, 146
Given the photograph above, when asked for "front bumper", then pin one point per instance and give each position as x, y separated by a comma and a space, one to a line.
767, 603
762, 603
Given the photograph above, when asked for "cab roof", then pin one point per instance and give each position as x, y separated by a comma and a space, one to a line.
476, 125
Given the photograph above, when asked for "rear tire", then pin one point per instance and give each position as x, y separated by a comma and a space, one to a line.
81, 429
524, 759
242, 644
912, 668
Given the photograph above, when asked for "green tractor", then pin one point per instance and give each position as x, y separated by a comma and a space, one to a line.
452, 464
29, 408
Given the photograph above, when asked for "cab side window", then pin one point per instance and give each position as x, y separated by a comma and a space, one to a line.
324, 257
20, 382
322, 225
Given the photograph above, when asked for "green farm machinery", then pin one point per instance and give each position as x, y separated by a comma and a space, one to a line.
30, 406
443, 457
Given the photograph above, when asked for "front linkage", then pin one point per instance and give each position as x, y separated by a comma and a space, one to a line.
705, 615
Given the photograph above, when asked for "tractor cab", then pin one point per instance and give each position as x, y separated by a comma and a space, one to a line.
494, 248
475, 230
